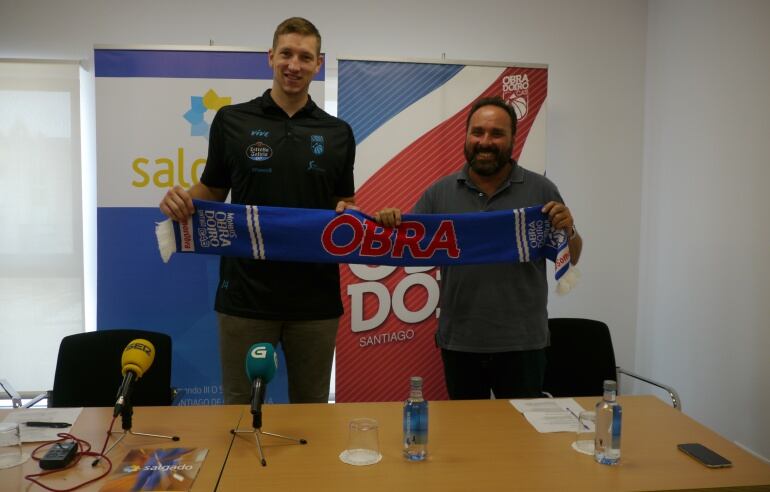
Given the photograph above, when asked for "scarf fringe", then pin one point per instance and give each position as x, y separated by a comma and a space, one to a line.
568, 281
164, 232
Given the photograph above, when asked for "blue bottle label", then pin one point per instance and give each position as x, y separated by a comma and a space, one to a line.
416, 423
617, 414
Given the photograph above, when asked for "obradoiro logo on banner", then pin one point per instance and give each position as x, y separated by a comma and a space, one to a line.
372, 284
167, 171
516, 93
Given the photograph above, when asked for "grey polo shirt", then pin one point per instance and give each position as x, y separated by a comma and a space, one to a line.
497, 307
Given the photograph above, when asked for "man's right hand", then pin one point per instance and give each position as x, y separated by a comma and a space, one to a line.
388, 217
177, 204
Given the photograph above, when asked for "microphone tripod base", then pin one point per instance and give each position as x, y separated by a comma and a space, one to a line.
259, 432
129, 431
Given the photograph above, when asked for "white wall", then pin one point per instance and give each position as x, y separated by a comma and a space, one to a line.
704, 302
596, 51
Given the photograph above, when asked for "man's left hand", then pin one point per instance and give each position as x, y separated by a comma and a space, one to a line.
560, 216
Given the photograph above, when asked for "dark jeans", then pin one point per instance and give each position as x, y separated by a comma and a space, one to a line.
471, 376
307, 345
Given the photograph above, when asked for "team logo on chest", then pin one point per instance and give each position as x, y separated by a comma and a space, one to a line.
317, 144
259, 151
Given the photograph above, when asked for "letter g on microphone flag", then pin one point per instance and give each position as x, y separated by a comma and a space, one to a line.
323, 236
261, 362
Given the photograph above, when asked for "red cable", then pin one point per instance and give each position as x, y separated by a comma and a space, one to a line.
84, 449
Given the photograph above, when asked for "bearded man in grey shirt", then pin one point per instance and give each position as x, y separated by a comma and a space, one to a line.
493, 324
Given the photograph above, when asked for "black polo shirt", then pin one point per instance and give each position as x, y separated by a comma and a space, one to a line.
266, 157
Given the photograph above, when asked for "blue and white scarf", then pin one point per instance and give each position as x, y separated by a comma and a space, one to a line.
324, 236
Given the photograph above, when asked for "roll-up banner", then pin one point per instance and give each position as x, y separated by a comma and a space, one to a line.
409, 121
154, 105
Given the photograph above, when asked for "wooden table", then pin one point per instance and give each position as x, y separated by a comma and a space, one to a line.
482, 445
473, 445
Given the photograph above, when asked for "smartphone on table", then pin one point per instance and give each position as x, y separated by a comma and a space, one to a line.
704, 455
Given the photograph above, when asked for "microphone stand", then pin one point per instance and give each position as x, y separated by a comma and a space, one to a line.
126, 412
258, 395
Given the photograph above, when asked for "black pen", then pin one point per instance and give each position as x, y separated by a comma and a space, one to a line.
578, 418
55, 425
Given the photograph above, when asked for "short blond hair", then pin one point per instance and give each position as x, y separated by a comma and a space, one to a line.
297, 25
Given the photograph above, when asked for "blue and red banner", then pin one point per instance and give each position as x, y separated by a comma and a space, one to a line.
409, 123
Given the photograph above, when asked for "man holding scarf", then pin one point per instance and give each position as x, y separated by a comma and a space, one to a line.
493, 323
279, 150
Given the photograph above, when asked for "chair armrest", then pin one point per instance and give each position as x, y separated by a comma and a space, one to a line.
34, 401
675, 400
12, 393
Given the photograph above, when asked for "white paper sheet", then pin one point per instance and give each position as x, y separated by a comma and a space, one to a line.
36, 434
550, 414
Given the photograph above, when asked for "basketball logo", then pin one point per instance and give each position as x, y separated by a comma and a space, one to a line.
519, 106
516, 93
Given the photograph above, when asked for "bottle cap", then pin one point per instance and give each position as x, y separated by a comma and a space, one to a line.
415, 382
610, 385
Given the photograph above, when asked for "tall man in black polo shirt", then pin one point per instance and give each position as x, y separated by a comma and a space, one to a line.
280, 150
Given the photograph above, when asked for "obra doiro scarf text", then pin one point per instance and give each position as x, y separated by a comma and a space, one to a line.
313, 235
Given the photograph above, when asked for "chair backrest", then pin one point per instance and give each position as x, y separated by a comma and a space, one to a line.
579, 358
88, 370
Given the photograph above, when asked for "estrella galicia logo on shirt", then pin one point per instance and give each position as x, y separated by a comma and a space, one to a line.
317, 144
259, 151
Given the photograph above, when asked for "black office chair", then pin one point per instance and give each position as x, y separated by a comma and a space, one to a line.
88, 370
581, 357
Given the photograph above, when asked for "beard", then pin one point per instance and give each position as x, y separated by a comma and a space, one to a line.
486, 166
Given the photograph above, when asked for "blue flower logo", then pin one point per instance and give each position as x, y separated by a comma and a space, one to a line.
199, 106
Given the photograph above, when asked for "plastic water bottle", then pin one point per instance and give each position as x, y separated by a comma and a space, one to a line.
415, 423
608, 419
